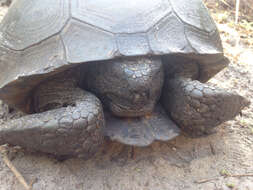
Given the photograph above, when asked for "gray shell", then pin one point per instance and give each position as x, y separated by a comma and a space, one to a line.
39, 38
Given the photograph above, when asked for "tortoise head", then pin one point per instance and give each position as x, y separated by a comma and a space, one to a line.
128, 87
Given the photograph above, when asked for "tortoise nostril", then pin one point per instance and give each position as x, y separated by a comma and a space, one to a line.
136, 98
146, 94
141, 97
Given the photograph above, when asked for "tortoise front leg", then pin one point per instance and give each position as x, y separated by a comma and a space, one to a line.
196, 107
72, 126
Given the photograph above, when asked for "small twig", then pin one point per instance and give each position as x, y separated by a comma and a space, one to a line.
225, 3
18, 175
132, 152
212, 148
216, 178
240, 175
206, 180
33, 182
237, 11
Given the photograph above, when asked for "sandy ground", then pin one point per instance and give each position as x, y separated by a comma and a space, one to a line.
182, 164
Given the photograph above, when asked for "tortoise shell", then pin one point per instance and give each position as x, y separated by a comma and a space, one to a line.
39, 38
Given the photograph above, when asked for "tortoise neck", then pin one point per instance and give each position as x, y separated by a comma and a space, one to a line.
55, 92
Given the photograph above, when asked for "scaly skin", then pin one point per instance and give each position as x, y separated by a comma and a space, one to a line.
197, 108
73, 130
69, 121
128, 87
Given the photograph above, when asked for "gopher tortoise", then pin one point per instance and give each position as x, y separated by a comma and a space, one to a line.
132, 71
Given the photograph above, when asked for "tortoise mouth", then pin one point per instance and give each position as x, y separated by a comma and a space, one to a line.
130, 111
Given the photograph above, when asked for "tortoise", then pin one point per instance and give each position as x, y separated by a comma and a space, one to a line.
133, 71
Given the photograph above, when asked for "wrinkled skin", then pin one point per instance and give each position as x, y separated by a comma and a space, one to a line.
69, 121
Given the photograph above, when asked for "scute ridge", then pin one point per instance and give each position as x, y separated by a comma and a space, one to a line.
85, 42
129, 16
86, 23
186, 23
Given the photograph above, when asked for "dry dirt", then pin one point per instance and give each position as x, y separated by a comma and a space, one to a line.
181, 164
